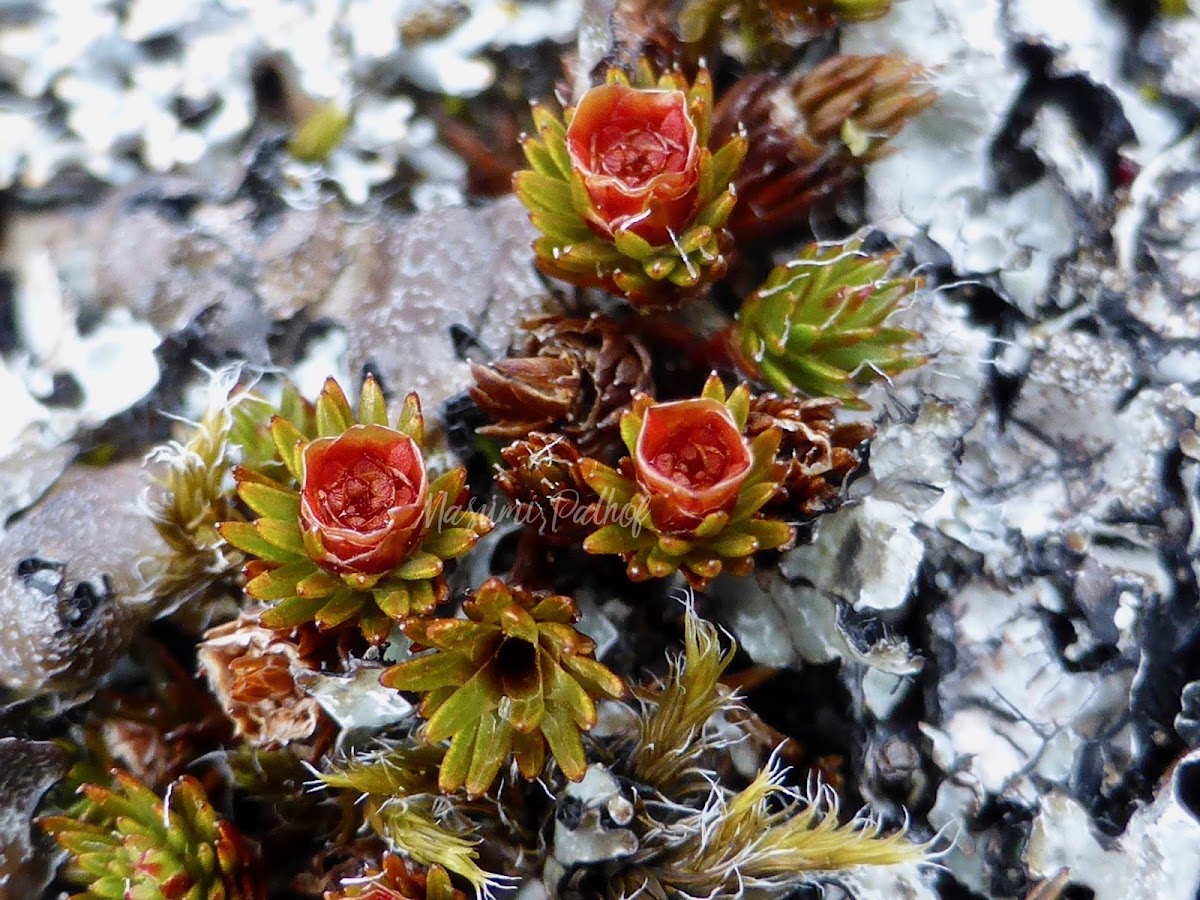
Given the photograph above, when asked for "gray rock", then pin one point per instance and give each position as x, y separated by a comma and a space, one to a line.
27, 770
72, 589
412, 279
29, 468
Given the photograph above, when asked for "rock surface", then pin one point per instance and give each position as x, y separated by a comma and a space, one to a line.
72, 590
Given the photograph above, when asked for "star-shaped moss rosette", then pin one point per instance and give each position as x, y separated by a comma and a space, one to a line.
818, 325
689, 495
126, 842
625, 191
512, 678
351, 528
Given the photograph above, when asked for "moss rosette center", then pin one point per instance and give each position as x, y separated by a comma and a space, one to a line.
638, 154
362, 506
692, 460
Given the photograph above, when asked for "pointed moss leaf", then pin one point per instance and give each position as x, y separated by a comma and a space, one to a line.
245, 537
660, 564
566, 745
419, 565
611, 539
589, 254
565, 692
706, 184
462, 635
278, 584
555, 608
612, 487
707, 569
713, 524
372, 407
427, 673
696, 240
631, 283
661, 267
285, 535
449, 543
543, 204
271, 502
687, 275
596, 678
540, 159
738, 405
632, 245
728, 160
776, 378
493, 742
771, 534
673, 545
714, 388
530, 753
556, 146
394, 601
464, 707
332, 419
733, 545
717, 213
289, 442
545, 121
814, 376
524, 713
292, 612
566, 231
342, 607
450, 484
426, 595
518, 623
375, 625
457, 763
579, 195
411, 422
564, 640
555, 193
752, 499
361, 581
294, 408
318, 584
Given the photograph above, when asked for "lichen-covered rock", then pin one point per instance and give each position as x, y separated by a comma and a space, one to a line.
1153, 858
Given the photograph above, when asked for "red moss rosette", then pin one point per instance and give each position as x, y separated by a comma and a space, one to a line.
689, 496
351, 527
625, 191
362, 499
691, 460
638, 153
